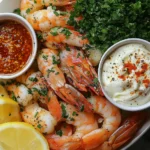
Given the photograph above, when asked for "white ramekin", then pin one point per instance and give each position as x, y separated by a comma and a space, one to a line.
105, 56
21, 20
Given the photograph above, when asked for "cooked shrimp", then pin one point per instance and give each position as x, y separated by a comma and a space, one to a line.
41, 91
112, 119
83, 122
79, 70
60, 35
19, 93
40, 118
125, 132
48, 61
30, 6
44, 20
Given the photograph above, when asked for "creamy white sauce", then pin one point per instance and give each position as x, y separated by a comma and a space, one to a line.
126, 75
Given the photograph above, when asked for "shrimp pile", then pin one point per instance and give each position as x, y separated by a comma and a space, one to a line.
53, 98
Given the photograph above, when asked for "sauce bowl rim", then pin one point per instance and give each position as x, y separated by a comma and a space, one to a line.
105, 56
25, 23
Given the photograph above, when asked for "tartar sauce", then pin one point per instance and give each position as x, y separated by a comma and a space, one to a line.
126, 75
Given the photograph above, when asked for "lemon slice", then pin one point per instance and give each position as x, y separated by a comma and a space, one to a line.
21, 136
9, 110
3, 92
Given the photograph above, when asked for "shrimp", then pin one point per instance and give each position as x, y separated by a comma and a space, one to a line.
30, 6
40, 118
19, 93
41, 91
79, 70
83, 122
44, 20
48, 62
59, 35
125, 132
112, 119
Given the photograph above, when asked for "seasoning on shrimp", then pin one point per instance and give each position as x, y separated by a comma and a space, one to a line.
15, 47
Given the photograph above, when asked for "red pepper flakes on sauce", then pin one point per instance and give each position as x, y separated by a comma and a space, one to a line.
15, 47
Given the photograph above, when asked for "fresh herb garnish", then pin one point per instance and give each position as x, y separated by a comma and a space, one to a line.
50, 71
39, 126
13, 96
66, 32
55, 61
17, 11
64, 112
33, 79
106, 22
95, 82
39, 36
29, 91
45, 57
54, 31
42, 91
28, 10
74, 114
82, 108
59, 132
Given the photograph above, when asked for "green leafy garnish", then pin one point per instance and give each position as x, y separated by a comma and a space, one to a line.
39, 126
59, 132
13, 96
54, 31
33, 79
55, 61
28, 10
64, 112
66, 32
106, 22
17, 11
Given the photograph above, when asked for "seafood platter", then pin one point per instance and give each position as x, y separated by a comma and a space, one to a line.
74, 74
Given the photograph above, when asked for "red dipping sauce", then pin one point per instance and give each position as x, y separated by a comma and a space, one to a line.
15, 47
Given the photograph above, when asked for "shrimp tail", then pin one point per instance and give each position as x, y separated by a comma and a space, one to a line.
125, 132
51, 102
72, 96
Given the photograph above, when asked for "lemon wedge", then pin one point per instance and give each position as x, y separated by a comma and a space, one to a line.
21, 136
9, 110
3, 92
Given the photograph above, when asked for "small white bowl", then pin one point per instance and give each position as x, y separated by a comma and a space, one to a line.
105, 56
21, 20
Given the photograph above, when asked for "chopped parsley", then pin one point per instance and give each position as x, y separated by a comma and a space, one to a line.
28, 10
74, 114
82, 108
106, 22
64, 112
50, 71
17, 11
35, 1
67, 48
33, 79
13, 96
54, 31
29, 91
45, 57
59, 132
42, 91
55, 61
39, 126
39, 36
96, 82
66, 32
